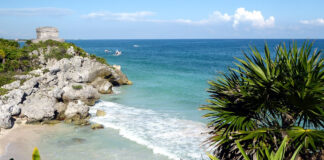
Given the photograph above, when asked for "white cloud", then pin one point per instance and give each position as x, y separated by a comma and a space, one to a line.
135, 16
215, 17
218, 15
319, 21
254, 17
47, 11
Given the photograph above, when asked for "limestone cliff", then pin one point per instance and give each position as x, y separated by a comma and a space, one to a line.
61, 89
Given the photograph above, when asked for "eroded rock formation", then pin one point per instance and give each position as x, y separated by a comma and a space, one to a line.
60, 90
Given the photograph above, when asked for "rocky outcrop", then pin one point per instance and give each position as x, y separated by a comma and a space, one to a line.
61, 90
5, 120
96, 126
38, 107
76, 110
100, 113
78, 91
13, 85
103, 86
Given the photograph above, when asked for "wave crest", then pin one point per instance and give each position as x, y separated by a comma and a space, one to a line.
166, 135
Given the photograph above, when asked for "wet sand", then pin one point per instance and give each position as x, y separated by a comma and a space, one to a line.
70, 142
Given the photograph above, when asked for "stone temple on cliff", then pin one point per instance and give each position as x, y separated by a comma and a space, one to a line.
47, 33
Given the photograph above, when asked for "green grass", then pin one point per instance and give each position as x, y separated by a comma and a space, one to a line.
45, 70
6, 78
58, 54
77, 87
99, 59
3, 91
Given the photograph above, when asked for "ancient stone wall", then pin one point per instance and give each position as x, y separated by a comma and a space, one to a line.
47, 33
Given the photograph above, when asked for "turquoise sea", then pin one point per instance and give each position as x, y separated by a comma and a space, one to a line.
157, 117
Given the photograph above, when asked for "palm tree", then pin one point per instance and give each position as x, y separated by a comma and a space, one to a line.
269, 154
266, 99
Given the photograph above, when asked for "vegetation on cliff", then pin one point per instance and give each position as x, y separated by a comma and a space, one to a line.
267, 98
59, 82
20, 60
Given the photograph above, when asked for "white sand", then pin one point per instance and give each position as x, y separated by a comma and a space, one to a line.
19, 142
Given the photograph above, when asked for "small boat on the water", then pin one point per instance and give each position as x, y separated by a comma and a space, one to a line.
107, 51
118, 53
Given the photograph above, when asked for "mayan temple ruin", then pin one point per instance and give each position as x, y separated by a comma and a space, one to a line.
47, 33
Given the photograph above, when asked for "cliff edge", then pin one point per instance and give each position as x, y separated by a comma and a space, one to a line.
63, 82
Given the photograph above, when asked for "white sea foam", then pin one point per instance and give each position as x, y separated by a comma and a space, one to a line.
116, 90
164, 134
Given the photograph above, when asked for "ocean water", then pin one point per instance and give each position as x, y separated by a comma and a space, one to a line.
157, 117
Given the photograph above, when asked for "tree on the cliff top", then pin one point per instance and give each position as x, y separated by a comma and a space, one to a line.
3, 56
267, 98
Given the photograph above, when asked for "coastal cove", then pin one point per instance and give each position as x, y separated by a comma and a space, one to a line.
157, 117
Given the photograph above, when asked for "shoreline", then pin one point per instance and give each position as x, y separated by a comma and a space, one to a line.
19, 141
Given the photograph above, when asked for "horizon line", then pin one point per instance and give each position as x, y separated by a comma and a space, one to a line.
196, 39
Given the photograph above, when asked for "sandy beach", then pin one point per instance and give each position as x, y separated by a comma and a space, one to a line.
19, 142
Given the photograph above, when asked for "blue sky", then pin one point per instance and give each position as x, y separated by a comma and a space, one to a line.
152, 19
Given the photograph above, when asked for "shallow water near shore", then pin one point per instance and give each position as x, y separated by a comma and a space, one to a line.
157, 117
63, 141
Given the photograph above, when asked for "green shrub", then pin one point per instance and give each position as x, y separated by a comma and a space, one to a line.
45, 70
269, 154
77, 87
6, 78
28, 42
99, 59
36, 155
3, 91
79, 51
264, 99
17, 60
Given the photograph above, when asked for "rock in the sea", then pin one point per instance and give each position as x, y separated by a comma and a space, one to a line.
6, 121
119, 78
96, 126
100, 113
129, 82
103, 85
78, 140
13, 85
38, 107
80, 91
